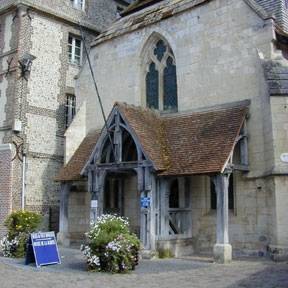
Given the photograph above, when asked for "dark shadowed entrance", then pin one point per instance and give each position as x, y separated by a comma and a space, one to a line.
121, 197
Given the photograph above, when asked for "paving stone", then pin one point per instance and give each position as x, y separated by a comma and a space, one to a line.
188, 272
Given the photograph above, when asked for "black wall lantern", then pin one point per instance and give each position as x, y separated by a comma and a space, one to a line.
25, 64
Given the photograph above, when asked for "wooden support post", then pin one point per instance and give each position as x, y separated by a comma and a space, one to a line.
121, 196
152, 217
146, 184
63, 235
164, 229
117, 139
244, 147
96, 208
222, 248
188, 200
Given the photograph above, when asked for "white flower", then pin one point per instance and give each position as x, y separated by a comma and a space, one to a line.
114, 246
94, 260
7, 246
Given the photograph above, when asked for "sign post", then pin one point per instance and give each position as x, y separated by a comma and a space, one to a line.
44, 248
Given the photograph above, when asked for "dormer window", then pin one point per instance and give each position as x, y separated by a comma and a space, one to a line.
78, 4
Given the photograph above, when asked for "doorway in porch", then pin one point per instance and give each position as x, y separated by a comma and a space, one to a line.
121, 197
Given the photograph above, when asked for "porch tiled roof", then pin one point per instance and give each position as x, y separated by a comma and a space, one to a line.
150, 130
72, 170
191, 143
201, 143
177, 144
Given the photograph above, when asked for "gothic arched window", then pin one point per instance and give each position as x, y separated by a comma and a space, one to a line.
161, 79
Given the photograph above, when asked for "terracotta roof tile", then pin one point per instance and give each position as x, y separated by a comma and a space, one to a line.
177, 144
71, 171
192, 143
202, 142
150, 131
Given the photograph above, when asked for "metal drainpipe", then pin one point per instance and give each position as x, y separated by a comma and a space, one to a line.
23, 183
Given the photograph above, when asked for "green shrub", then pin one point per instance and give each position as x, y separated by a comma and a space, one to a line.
19, 224
111, 247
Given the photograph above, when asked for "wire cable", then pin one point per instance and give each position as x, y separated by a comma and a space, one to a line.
97, 91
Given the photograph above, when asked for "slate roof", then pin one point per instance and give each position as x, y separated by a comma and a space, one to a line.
177, 144
71, 171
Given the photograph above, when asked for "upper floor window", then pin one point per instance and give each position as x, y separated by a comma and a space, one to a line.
70, 109
78, 4
161, 79
74, 50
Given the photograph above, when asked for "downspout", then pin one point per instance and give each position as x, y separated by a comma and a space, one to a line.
23, 183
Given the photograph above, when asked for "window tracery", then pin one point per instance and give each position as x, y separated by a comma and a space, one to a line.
161, 79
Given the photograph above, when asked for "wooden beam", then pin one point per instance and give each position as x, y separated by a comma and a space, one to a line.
239, 167
244, 159
221, 182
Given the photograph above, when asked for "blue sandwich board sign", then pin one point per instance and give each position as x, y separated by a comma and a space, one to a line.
45, 249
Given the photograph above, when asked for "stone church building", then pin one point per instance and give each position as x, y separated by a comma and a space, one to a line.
41, 52
194, 150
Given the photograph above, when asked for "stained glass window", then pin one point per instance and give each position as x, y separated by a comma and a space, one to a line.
161, 79
160, 50
152, 87
170, 86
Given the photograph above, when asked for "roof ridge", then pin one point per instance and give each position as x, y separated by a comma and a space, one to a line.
209, 109
138, 108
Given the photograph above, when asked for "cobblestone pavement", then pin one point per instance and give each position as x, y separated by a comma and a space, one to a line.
176, 273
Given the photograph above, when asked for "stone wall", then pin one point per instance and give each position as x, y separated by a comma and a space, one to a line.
217, 62
78, 215
249, 222
39, 103
97, 15
279, 246
277, 75
5, 187
219, 56
132, 203
50, 79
